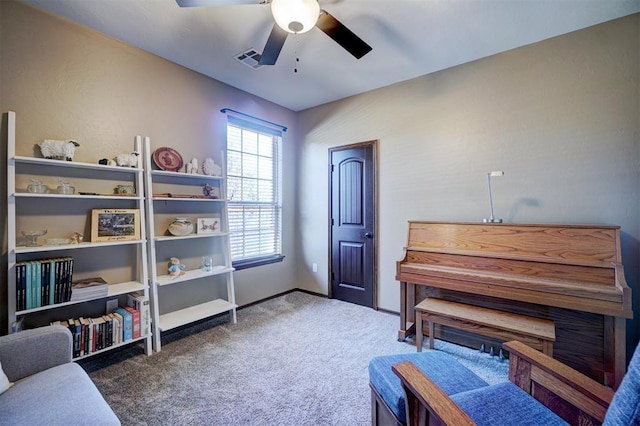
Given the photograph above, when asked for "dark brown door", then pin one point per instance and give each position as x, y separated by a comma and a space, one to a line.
353, 224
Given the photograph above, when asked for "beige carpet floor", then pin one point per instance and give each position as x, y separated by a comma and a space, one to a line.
297, 359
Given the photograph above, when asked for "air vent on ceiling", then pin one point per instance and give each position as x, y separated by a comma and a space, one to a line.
250, 58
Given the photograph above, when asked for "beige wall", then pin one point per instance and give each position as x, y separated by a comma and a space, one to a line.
65, 81
560, 118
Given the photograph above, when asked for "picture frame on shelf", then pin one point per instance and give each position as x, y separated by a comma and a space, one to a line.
115, 225
208, 225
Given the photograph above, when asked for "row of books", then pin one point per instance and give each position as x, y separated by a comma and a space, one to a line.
120, 326
43, 282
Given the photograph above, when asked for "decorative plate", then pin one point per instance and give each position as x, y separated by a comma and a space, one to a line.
167, 159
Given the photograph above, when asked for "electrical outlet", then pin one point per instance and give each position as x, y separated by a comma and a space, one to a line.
314, 267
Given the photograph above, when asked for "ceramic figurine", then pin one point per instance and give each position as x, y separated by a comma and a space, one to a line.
194, 165
210, 168
127, 160
76, 238
175, 267
207, 190
58, 149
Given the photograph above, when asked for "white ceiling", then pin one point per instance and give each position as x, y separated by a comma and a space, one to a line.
409, 38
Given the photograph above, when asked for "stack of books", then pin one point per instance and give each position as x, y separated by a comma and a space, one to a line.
90, 288
43, 282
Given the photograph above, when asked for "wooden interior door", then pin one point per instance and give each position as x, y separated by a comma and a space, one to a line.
352, 224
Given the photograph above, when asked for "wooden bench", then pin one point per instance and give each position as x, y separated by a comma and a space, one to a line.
535, 332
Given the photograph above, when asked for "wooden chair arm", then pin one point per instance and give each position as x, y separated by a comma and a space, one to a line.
528, 366
426, 402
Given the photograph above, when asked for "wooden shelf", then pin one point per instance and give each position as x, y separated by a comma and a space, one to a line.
194, 313
192, 275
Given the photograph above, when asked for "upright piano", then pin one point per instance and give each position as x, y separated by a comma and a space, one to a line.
571, 274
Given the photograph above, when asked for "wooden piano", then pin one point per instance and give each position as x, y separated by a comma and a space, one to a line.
571, 274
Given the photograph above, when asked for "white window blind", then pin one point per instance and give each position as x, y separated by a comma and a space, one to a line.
253, 189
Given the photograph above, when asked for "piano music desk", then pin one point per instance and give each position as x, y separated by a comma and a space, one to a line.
535, 332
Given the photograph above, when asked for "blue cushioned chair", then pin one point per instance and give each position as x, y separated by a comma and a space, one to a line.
541, 391
387, 396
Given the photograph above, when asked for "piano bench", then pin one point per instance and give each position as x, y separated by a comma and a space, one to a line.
535, 332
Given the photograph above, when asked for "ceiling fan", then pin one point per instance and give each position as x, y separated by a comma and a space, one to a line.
295, 17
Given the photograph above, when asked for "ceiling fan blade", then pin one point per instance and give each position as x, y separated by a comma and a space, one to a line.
197, 3
342, 35
274, 46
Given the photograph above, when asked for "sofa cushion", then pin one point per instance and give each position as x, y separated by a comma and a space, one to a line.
62, 395
625, 405
505, 404
445, 371
4, 382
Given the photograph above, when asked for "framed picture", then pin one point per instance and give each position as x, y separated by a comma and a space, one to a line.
208, 225
115, 224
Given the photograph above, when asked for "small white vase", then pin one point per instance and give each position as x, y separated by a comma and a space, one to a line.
180, 226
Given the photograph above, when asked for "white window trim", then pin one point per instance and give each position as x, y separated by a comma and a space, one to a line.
261, 128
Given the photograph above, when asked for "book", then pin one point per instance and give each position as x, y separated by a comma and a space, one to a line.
68, 278
135, 321
44, 283
35, 287
92, 333
81, 324
90, 288
52, 281
75, 332
28, 302
141, 303
118, 320
57, 275
86, 333
21, 270
108, 335
127, 324
99, 325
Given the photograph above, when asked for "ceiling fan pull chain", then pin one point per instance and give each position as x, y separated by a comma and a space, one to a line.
295, 66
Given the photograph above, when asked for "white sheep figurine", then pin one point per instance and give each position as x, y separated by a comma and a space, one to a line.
127, 160
51, 148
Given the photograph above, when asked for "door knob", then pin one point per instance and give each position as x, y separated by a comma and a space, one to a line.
368, 235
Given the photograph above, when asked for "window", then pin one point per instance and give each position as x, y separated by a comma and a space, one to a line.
253, 189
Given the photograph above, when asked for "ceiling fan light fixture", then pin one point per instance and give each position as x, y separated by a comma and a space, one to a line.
295, 16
